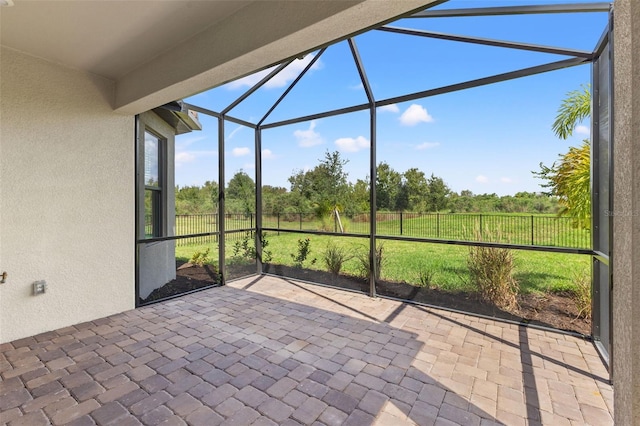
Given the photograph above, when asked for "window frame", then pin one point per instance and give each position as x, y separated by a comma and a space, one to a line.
157, 192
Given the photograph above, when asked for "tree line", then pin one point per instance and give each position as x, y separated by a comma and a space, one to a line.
326, 187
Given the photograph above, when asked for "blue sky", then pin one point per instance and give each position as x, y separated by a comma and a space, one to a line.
486, 139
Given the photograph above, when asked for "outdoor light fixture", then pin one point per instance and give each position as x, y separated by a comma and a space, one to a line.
181, 118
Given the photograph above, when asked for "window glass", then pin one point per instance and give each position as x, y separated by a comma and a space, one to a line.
151, 213
152, 186
151, 159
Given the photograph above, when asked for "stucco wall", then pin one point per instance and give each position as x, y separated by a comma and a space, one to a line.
67, 197
157, 261
626, 205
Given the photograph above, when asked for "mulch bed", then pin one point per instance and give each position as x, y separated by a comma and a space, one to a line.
189, 277
555, 310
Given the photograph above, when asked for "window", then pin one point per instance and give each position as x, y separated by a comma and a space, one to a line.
152, 185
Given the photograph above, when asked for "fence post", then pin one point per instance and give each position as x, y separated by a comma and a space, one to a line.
438, 225
278, 223
400, 222
300, 216
335, 223
481, 226
532, 234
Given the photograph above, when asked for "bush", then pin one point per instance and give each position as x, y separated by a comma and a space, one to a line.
199, 258
582, 294
491, 271
245, 250
326, 223
334, 257
267, 255
302, 253
365, 264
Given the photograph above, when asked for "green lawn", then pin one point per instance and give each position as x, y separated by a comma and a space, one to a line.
404, 261
524, 229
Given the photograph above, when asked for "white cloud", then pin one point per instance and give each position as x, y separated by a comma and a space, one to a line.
183, 157
183, 143
232, 134
583, 130
309, 137
351, 144
279, 80
506, 180
390, 108
267, 154
482, 179
358, 86
427, 145
241, 151
249, 166
415, 114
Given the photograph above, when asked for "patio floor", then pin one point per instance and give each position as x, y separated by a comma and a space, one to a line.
269, 351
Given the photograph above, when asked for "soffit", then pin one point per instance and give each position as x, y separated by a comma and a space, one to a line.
159, 51
107, 38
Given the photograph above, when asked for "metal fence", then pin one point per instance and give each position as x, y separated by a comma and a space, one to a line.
187, 224
535, 230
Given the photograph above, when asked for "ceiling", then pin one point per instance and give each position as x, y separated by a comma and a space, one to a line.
107, 38
158, 51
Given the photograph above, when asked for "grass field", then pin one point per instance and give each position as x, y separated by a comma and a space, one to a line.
522, 229
404, 261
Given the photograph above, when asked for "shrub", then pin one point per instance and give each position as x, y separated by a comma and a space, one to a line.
334, 257
267, 255
244, 250
326, 224
199, 258
582, 294
491, 271
365, 264
302, 253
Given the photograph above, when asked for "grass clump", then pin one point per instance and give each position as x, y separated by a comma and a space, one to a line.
491, 272
364, 262
582, 294
425, 277
334, 257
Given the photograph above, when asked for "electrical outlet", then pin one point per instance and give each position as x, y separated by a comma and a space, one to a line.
39, 287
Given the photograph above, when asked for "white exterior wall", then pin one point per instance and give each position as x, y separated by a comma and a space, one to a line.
66, 197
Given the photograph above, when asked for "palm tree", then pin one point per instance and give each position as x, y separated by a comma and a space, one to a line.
569, 178
574, 108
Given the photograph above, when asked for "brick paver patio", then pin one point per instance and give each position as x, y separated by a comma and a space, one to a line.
268, 351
